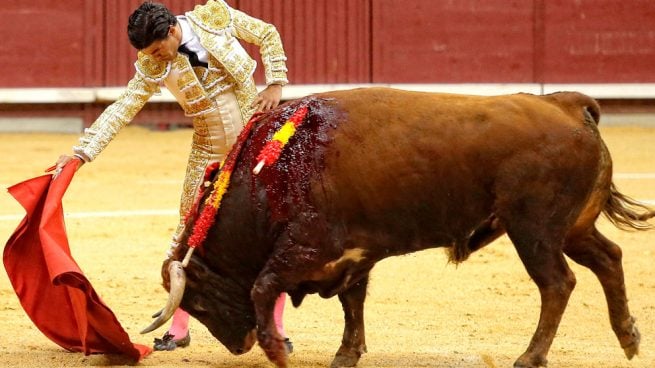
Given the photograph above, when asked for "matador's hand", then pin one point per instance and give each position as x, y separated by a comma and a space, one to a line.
61, 162
269, 98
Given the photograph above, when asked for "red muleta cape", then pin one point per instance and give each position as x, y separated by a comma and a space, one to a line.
50, 285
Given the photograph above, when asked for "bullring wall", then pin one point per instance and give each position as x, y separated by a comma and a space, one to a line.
77, 49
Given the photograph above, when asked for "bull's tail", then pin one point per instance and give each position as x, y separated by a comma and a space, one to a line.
627, 213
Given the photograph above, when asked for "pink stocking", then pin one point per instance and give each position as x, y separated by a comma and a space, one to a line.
180, 325
278, 312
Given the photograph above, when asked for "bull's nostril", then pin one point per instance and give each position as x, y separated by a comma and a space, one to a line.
239, 351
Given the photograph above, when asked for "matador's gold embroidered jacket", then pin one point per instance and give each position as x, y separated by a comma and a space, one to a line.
217, 26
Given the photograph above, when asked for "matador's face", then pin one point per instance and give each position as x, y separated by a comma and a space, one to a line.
166, 48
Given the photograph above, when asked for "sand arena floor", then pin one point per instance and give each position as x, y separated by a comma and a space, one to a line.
421, 311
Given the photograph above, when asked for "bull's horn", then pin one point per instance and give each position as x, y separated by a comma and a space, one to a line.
178, 281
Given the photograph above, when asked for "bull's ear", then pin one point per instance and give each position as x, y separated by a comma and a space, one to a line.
196, 272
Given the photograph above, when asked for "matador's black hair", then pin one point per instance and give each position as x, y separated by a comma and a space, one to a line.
148, 23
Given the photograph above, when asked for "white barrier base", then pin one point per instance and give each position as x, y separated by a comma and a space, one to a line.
292, 91
41, 125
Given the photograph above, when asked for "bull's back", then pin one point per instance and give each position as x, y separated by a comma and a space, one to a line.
436, 161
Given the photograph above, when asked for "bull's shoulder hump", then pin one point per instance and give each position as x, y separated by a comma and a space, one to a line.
576, 103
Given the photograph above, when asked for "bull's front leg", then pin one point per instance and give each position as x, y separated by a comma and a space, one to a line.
353, 344
264, 293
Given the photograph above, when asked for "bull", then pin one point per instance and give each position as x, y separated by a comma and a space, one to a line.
374, 173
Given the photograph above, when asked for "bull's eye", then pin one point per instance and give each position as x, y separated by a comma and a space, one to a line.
198, 305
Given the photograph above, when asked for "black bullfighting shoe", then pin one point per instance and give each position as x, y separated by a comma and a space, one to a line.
289, 345
169, 343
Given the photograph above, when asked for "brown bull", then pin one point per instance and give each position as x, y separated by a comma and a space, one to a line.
374, 173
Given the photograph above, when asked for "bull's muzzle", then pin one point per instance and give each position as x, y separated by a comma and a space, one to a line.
248, 343
178, 281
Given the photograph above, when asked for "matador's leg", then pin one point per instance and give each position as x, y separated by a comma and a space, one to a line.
214, 135
199, 160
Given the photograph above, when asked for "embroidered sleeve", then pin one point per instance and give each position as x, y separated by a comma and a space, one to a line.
268, 39
115, 117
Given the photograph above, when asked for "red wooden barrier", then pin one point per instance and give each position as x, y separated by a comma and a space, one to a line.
427, 41
77, 43
42, 43
588, 41
326, 41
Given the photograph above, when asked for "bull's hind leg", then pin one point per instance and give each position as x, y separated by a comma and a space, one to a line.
603, 257
353, 344
543, 259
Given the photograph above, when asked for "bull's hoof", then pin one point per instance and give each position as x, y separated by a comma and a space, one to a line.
345, 358
344, 361
631, 346
348, 356
631, 351
278, 358
275, 349
527, 361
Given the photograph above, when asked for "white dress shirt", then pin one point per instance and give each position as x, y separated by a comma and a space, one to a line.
190, 40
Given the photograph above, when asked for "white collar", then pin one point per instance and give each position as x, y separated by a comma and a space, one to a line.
187, 32
191, 40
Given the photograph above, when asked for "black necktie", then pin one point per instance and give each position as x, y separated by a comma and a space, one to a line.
193, 57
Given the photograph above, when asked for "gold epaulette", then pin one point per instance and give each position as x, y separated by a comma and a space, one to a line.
150, 69
214, 16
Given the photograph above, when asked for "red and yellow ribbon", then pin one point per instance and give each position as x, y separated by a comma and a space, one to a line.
272, 150
213, 202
